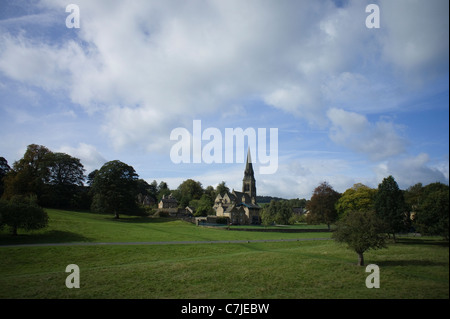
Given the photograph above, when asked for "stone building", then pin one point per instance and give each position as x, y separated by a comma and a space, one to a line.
240, 207
168, 202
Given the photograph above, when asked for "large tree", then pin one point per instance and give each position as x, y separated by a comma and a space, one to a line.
187, 191
361, 231
115, 188
322, 205
65, 177
28, 174
359, 197
390, 206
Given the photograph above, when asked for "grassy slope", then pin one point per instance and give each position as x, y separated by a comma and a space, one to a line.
413, 268
67, 226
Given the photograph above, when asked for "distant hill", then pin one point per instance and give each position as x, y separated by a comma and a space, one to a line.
267, 199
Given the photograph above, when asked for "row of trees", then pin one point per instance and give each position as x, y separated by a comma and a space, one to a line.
42, 178
58, 180
421, 208
364, 215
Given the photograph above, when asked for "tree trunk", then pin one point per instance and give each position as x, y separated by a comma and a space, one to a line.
393, 235
116, 214
360, 259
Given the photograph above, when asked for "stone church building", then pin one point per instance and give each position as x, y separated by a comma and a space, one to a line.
240, 207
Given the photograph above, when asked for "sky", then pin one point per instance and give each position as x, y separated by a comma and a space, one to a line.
350, 104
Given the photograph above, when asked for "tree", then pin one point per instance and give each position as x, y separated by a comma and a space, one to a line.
222, 188
268, 214
91, 176
433, 210
187, 191
4, 169
163, 190
359, 197
65, 176
322, 205
413, 196
115, 188
279, 212
390, 206
22, 212
361, 231
29, 173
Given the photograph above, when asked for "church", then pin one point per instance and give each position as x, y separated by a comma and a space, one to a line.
240, 207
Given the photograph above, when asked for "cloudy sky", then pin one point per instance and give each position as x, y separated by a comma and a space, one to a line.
351, 104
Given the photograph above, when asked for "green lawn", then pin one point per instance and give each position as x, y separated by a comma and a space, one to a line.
67, 226
411, 268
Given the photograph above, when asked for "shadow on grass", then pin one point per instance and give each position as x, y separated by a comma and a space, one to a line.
143, 219
422, 241
411, 262
52, 236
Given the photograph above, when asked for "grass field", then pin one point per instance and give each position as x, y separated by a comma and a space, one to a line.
412, 268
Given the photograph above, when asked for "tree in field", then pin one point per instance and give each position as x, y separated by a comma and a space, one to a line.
28, 174
361, 231
322, 205
359, 197
115, 188
390, 206
65, 176
432, 216
22, 212
55, 178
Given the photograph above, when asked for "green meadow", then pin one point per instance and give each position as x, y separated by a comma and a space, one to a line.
414, 267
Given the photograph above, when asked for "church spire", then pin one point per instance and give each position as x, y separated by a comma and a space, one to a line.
249, 165
249, 183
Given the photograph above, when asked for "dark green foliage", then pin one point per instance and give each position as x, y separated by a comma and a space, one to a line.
322, 205
187, 191
55, 178
361, 231
28, 174
391, 208
115, 189
433, 210
22, 212
4, 169
278, 212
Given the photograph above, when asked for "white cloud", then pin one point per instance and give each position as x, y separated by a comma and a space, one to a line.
143, 68
88, 155
378, 140
410, 170
172, 59
416, 40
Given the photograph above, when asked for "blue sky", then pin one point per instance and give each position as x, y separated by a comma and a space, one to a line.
351, 104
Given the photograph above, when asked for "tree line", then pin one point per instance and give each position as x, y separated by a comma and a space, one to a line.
363, 216
42, 178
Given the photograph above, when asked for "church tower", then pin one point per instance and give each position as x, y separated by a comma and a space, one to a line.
249, 183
